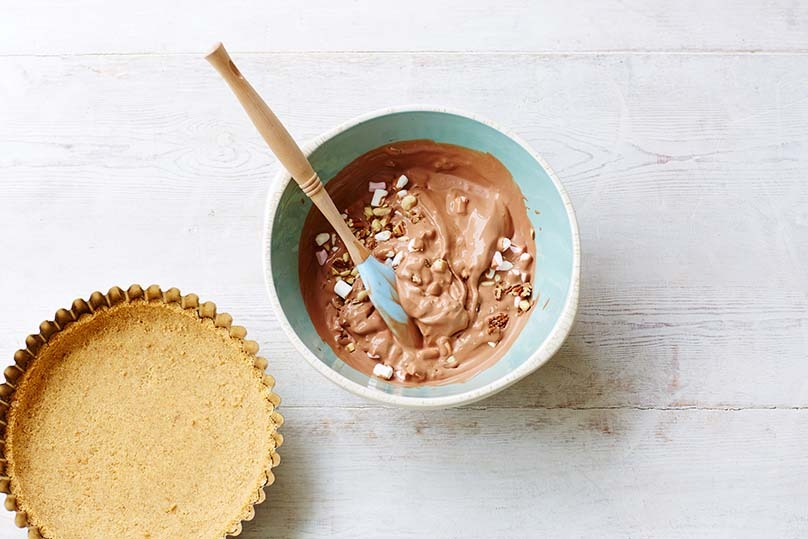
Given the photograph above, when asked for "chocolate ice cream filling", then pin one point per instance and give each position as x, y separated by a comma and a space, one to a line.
453, 224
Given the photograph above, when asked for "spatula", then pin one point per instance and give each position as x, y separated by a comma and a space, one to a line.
379, 279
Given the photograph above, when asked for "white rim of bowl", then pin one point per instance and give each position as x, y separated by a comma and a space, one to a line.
540, 356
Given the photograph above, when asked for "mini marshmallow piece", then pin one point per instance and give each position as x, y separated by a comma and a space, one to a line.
402, 181
333, 238
342, 289
515, 271
321, 256
398, 258
492, 344
516, 301
322, 238
490, 273
390, 254
451, 360
378, 195
523, 275
383, 371
525, 257
388, 262
411, 246
505, 266
504, 244
401, 375
516, 249
384, 235
335, 249
497, 260
402, 193
375, 186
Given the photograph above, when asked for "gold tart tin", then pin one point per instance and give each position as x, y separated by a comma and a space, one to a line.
117, 298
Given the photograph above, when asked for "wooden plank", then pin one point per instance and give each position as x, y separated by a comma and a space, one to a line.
687, 173
557, 473
96, 26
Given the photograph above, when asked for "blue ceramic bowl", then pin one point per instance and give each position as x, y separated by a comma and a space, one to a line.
557, 247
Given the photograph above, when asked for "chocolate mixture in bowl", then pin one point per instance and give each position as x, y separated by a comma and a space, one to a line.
453, 224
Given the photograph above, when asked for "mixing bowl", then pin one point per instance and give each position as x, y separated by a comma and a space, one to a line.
557, 271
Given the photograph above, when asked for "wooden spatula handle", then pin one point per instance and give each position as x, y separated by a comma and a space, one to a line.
284, 147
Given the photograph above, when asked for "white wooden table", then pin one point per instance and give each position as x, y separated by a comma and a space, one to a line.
679, 405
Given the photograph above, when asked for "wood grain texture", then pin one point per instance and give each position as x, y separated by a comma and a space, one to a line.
190, 26
539, 473
677, 408
689, 190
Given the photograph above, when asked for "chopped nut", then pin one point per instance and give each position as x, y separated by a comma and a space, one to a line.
459, 205
524, 305
496, 261
440, 265
346, 257
340, 265
362, 295
399, 229
451, 360
322, 238
487, 283
416, 278
350, 347
498, 292
354, 272
498, 322
492, 344
503, 244
409, 202
381, 211
384, 235
367, 212
375, 225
